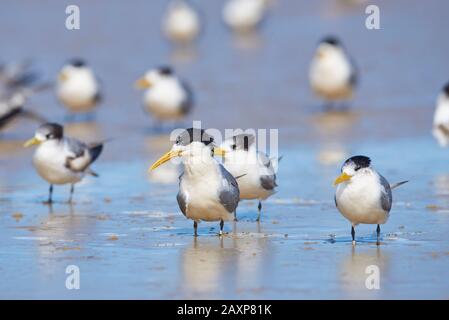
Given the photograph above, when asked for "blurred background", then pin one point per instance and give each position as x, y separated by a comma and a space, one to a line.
126, 231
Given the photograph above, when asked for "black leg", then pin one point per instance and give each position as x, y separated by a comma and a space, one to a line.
221, 227
72, 189
259, 207
50, 195
353, 235
378, 235
235, 215
195, 229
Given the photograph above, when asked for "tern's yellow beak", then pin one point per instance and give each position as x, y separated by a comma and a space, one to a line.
142, 83
31, 142
166, 157
62, 76
343, 177
219, 152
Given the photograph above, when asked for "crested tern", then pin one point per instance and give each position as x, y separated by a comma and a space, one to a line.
167, 97
332, 75
77, 87
181, 23
441, 118
61, 160
254, 169
207, 191
363, 195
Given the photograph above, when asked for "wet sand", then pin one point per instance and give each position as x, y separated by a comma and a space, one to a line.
125, 231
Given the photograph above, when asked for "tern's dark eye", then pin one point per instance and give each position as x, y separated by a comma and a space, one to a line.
49, 136
234, 146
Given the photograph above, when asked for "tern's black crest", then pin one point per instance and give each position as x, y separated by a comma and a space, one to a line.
243, 141
51, 130
332, 40
359, 162
77, 62
192, 134
446, 89
165, 70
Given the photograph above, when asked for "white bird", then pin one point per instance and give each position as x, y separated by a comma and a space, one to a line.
253, 169
61, 160
77, 87
181, 23
441, 118
244, 15
363, 195
207, 191
332, 74
167, 97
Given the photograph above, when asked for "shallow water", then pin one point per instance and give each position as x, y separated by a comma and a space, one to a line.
125, 231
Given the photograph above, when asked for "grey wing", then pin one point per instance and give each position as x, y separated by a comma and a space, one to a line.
386, 197
187, 104
181, 197
268, 177
228, 193
78, 158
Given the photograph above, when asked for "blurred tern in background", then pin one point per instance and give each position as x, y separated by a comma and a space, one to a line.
181, 23
253, 169
77, 87
207, 191
17, 83
244, 15
61, 160
332, 75
441, 118
167, 97
363, 195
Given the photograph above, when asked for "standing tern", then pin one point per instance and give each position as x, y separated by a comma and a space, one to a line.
167, 97
61, 160
254, 169
441, 118
77, 87
363, 195
332, 74
207, 191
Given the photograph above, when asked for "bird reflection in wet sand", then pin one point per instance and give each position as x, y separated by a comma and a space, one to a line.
203, 266
61, 232
358, 271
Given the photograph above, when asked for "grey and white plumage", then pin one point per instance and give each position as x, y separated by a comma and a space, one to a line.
77, 87
255, 170
167, 97
333, 74
18, 82
363, 195
441, 118
62, 160
207, 191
